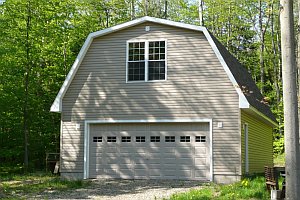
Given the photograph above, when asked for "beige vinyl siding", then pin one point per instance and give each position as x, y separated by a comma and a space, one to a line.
196, 87
72, 148
260, 142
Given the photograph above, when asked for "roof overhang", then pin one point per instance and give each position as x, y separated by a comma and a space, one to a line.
57, 104
257, 114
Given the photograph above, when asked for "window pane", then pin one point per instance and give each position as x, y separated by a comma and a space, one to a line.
142, 51
156, 50
155, 139
151, 44
136, 45
136, 71
151, 57
136, 57
140, 138
156, 70
136, 51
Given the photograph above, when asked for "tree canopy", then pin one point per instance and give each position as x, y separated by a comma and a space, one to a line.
40, 40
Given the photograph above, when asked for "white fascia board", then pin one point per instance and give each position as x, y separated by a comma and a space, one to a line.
243, 102
56, 106
147, 121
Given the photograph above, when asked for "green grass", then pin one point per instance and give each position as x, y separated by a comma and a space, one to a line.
248, 188
14, 186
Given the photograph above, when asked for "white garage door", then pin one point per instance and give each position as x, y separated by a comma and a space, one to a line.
149, 151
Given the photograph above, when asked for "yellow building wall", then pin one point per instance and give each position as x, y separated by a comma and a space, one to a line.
260, 144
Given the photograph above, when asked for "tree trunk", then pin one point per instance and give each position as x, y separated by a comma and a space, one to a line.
146, 7
200, 7
132, 9
276, 66
298, 50
166, 9
262, 49
26, 88
291, 123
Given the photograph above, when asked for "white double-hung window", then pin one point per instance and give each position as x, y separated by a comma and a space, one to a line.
146, 61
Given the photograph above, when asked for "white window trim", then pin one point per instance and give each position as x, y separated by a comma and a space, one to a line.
147, 59
111, 121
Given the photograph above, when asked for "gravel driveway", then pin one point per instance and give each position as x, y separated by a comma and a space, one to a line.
125, 190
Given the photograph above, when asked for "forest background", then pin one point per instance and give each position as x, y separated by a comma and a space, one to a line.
40, 39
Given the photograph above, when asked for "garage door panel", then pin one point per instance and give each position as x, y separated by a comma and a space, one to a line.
200, 173
140, 150
127, 149
169, 166
153, 155
140, 161
200, 150
168, 150
170, 161
185, 161
139, 157
99, 161
154, 166
200, 161
184, 173
154, 160
97, 152
154, 172
184, 150
154, 148
111, 159
126, 174
111, 149
140, 166
99, 167
140, 173
123, 161
169, 173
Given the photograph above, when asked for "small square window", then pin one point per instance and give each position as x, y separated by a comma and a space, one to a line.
185, 139
111, 139
155, 139
126, 139
140, 139
200, 138
97, 139
169, 138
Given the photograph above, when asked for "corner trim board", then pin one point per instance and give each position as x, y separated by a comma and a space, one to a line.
111, 121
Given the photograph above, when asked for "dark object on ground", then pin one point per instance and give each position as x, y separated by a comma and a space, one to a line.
271, 178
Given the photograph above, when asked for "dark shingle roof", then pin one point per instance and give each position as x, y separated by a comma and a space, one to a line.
245, 81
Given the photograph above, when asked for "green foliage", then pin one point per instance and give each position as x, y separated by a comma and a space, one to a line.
46, 48
278, 146
248, 188
279, 160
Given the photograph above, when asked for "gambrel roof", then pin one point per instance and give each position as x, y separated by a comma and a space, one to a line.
250, 97
245, 81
